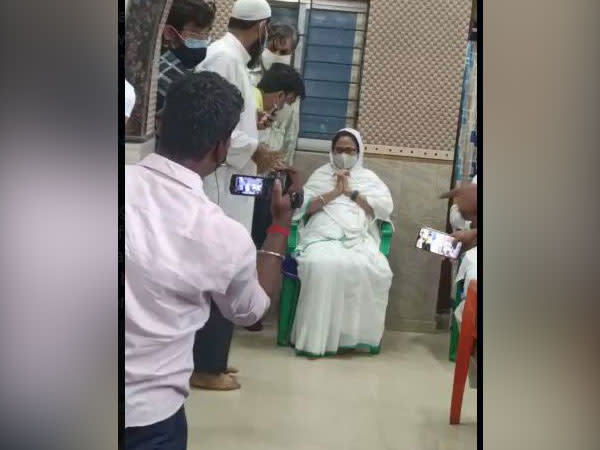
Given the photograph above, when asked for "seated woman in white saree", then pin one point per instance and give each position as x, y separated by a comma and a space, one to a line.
345, 280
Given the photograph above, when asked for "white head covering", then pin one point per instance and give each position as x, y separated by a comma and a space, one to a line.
129, 98
361, 150
251, 10
363, 180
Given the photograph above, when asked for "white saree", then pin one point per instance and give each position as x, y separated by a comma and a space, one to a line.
345, 279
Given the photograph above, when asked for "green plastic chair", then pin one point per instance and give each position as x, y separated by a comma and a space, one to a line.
453, 322
290, 289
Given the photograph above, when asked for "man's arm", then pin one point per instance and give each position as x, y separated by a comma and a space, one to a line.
465, 197
268, 263
258, 278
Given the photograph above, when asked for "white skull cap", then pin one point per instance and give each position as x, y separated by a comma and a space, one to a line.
251, 10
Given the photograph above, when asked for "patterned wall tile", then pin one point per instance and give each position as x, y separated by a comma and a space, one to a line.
412, 72
222, 18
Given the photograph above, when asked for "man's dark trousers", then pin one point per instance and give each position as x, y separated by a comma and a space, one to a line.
212, 342
169, 434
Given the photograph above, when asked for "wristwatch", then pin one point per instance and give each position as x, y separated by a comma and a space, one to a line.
354, 196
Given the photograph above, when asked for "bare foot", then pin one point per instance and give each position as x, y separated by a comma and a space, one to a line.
231, 369
212, 382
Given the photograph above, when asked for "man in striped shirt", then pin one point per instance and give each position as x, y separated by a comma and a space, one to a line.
185, 39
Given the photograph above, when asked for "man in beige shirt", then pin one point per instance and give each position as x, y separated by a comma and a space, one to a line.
282, 135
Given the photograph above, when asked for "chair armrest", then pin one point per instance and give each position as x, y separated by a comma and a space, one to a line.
386, 230
292, 242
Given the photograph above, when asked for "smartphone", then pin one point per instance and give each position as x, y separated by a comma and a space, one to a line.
435, 241
247, 185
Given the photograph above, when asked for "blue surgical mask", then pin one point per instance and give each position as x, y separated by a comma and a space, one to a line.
196, 43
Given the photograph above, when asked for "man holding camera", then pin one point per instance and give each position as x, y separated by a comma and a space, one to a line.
183, 254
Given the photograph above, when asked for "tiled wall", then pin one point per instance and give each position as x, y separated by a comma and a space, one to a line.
222, 18
412, 72
415, 186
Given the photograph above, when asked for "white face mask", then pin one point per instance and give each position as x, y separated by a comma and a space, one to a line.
269, 58
344, 160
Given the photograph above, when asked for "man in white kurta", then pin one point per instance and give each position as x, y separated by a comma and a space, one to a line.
229, 58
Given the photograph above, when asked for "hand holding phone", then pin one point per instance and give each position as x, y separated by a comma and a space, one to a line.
265, 119
435, 241
467, 237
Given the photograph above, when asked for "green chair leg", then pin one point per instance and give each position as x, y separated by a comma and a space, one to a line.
454, 324
375, 350
287, 310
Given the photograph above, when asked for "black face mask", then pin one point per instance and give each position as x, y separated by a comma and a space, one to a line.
189, 57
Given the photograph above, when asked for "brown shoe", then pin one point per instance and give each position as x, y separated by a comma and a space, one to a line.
212, 382
231, 370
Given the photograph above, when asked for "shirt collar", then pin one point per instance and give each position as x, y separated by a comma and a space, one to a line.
172, 170
237, 45
258, 99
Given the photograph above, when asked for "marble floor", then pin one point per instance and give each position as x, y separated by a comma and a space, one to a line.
399, 399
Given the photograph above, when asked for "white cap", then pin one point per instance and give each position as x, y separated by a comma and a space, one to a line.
251, 10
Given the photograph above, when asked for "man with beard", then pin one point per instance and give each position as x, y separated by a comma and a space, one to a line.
230, 57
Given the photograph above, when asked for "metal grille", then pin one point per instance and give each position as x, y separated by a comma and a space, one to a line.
329, 55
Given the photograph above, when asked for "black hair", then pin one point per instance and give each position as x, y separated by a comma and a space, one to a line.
281, 77
201, 110
342, 133
200, 12
239, 24
279, 31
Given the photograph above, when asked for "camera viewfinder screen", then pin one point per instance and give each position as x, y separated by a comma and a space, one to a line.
248, 185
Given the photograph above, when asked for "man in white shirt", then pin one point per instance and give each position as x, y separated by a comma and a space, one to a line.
182, 254
230, 57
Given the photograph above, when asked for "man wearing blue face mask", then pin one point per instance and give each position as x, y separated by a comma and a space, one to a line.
185, 39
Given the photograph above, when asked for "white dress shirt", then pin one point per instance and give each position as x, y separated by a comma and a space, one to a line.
228, 57
181, 251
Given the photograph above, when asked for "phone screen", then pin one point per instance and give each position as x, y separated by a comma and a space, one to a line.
246, 185
439, 243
